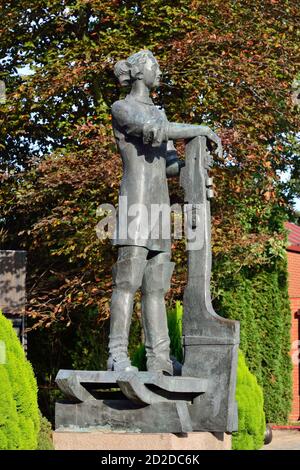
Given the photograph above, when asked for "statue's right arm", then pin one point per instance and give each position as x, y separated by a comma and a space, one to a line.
126, 117
153, 131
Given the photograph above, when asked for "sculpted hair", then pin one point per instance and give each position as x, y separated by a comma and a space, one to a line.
132, 68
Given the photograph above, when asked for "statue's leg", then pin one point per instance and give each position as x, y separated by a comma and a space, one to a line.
127, 278
156, 282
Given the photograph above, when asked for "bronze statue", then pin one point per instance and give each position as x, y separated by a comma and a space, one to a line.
201, 395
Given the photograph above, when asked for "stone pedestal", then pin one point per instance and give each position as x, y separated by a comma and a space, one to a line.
99, 440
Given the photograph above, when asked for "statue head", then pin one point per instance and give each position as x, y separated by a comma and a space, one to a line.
139, 66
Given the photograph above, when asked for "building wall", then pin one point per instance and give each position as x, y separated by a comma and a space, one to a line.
294, 294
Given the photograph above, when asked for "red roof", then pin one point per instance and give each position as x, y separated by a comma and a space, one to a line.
293, 236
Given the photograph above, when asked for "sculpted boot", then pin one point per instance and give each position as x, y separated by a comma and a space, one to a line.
156, 282
127, 278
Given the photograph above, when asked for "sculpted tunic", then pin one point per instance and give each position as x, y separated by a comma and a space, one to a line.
143, 216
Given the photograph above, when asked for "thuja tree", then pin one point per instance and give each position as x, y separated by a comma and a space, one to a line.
19, 414
252, 422
230, 64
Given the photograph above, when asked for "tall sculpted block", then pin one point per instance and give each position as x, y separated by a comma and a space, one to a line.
210, 341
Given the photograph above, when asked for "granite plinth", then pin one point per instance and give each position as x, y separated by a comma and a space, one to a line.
97, 440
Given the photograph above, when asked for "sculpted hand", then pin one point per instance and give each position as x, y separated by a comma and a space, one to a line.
212, 136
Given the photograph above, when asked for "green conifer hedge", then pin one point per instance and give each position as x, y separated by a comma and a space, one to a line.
19, 414
259, 300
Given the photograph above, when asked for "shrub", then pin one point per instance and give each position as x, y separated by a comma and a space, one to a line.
174, 316
19, 415
252, 424
139, 357
175, 330
45, 435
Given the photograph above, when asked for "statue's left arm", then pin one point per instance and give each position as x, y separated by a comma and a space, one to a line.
178, 130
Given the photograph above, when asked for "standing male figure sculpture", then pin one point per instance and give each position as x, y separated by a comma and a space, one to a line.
145, 140
203, 397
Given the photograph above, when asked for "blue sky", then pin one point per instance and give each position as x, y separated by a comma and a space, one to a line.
297, 204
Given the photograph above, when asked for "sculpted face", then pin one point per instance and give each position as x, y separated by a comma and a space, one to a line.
151, 73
